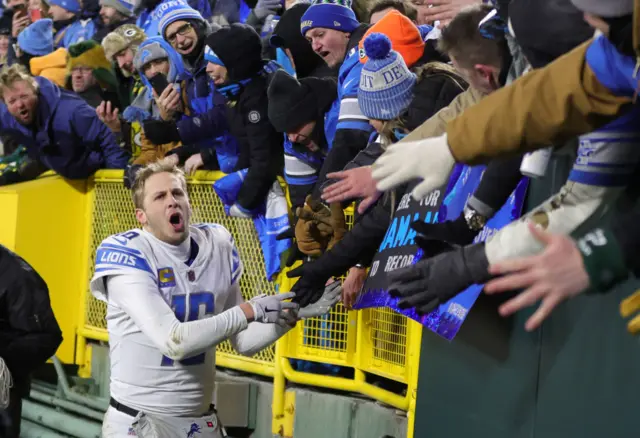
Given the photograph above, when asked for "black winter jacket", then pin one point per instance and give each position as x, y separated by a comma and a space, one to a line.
261, 146
29, 332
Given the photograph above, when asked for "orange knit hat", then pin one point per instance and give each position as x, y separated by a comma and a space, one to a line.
404, 35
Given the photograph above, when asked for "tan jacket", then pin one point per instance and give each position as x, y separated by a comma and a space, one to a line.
549, 105
437, 124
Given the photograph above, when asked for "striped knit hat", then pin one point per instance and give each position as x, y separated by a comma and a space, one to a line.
386, 84
329, 14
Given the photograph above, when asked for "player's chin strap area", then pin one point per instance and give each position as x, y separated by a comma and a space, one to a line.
161, 426
6, 383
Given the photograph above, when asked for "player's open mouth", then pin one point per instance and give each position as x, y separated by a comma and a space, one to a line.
323, 55
24, 113
177, 222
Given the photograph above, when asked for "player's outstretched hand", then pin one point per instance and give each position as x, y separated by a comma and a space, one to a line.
274, 309
326, 302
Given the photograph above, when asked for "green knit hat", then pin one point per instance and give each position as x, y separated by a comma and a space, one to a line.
91, 54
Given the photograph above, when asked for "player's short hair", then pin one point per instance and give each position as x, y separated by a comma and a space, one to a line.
9, 75
462, 39
399, 5
142, 175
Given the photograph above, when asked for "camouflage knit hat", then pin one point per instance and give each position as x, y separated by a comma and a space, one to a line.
127, 35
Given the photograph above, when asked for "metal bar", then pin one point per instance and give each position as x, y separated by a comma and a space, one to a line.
34, 430
60, 421
95, 334
98, 404
342, 384
66, 404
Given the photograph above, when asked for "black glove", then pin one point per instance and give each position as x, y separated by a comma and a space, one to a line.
130, 175
310, 286
434, 281
456, 232
294, 252
160, 132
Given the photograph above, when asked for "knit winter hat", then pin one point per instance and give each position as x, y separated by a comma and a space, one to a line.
605, 9
154, 49
386, 84
125, 7
127, 35
406, 38
329, 14
293, 103
69, 5
237, 47
37, 38
174, 10
91, 54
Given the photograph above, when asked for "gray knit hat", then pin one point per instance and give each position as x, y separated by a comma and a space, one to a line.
605, 9
127, 35
125, 7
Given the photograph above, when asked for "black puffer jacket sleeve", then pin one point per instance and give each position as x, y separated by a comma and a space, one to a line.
29, 332
265, 149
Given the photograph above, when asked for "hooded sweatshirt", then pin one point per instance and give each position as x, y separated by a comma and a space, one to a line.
144, 106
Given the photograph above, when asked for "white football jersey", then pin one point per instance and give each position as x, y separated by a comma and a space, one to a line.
141, 377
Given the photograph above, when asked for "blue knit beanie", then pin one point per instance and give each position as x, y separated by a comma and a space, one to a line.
174, 10
386, 84
69, 5
329, 14
37, 38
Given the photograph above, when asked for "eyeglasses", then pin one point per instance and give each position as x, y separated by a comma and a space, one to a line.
182, 30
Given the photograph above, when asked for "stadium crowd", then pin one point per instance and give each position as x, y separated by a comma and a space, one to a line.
372, 103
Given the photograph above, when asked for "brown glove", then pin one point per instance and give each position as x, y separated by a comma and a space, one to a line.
313, 229
338, 224
628, 307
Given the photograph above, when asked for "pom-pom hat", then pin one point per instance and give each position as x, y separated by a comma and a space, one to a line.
386, 84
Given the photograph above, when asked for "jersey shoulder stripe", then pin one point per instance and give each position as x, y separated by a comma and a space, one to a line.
121, 254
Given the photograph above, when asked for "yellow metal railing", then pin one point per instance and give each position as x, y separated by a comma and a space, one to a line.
375, 341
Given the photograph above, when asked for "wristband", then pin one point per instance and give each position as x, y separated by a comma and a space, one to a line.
602, 259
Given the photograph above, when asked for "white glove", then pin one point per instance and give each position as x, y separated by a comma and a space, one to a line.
429, 159
329, 299
272, 309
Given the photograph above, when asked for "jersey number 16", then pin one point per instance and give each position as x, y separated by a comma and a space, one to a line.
197, 301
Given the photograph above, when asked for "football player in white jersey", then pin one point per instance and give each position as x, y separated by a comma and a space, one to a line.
172, 295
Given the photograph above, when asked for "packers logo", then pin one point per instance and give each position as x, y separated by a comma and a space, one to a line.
361, 53
306, 23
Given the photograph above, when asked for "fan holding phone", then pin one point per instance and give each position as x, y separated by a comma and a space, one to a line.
162, 72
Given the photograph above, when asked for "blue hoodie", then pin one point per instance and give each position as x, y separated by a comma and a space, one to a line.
69, 138
144, 107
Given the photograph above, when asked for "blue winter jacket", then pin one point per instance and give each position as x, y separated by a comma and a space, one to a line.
352, 128
78, 31
612, 69
207, 126
68, 137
